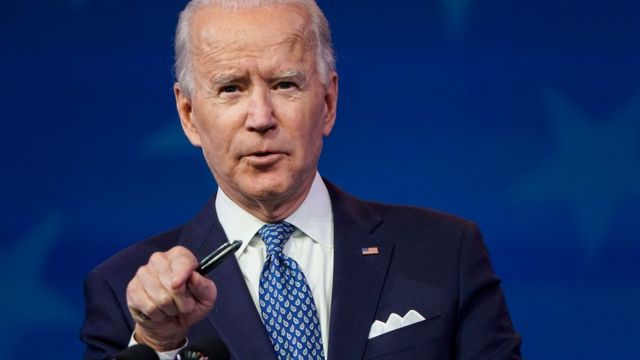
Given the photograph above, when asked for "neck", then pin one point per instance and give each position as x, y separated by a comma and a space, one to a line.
272, 208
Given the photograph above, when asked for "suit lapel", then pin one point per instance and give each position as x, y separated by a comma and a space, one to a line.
357, 283
358, 279
234, 316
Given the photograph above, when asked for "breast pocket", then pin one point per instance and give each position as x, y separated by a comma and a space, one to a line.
427, 339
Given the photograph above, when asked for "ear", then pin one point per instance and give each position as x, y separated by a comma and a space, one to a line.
331, 103
183, 104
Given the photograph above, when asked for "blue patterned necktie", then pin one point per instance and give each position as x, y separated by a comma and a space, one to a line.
286, 303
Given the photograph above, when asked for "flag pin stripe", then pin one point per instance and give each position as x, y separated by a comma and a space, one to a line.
370, 250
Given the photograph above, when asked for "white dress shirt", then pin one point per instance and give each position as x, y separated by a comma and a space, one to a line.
311, 246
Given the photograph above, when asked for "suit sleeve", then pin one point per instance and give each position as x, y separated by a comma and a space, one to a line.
485, 330
107, 328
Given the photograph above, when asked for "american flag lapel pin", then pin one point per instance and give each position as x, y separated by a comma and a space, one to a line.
373, 250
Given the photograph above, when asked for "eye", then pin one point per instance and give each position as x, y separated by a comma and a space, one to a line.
285, 85
229, 89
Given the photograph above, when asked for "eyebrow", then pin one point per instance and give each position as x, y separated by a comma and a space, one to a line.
224, 79
291, 74
297, 74
230, 78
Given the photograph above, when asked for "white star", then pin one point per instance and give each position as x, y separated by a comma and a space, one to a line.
80, 4
456, 12
30, 303
167, 141
594, 166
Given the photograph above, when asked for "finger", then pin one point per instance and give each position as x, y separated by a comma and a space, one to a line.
161, 264
139, 316
200, 290
163, 301
183, 263
138, 301
158, 286
135, 298
184, 300
203, 289
159, 302
173, 265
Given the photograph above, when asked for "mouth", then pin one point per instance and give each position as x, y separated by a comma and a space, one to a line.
263, 158
262, 153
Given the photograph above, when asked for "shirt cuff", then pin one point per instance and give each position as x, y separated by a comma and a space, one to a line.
162, 355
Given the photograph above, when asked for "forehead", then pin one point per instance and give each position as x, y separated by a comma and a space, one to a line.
218, 33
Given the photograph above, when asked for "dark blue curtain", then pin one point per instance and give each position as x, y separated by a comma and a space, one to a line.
521, 115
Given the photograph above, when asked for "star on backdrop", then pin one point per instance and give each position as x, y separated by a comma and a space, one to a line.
32, 304
592, 168
456, 12
79, 4
167, 141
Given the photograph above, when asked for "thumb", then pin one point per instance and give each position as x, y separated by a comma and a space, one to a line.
203, 289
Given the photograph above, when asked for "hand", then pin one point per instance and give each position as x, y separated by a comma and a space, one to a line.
166, 297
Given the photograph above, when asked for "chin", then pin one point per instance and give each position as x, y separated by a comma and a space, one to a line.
267, 187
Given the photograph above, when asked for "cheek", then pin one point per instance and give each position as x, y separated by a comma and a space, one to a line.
217, 147
317, 125
215, 129
309, 137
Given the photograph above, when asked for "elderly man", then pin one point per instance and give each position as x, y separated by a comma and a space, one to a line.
320, 274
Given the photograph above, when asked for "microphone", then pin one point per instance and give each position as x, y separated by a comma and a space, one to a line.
205, 348
137, 352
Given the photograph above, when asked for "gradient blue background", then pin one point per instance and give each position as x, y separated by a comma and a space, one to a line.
521, 115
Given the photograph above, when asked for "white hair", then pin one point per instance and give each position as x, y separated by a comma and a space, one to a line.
321, 41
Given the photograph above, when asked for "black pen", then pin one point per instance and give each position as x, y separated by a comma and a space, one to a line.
218, 256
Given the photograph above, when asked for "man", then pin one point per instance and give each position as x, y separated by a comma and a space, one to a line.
320, 274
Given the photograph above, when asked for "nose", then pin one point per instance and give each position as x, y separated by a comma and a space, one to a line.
261, 117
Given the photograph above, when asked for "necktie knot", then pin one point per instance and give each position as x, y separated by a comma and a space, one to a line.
275, 235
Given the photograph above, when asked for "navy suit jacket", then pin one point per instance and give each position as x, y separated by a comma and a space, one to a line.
428, 261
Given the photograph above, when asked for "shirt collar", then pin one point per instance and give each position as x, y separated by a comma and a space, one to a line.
313, 217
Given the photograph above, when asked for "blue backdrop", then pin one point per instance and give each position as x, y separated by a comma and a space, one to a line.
521, 115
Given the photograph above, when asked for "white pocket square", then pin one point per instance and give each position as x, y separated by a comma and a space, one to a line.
394, 322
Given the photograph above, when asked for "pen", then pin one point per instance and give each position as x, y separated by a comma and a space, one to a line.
218, 256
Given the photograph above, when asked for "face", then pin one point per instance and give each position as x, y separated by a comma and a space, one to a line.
259, 109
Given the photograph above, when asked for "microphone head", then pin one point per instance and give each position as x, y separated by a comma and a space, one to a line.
205, 348
137, 352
